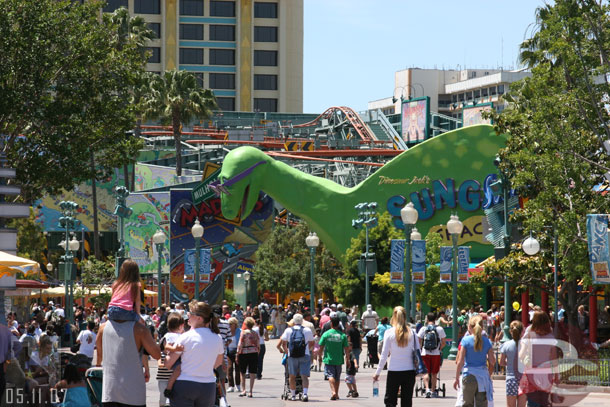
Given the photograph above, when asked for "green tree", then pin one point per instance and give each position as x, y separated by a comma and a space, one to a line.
31, 241
63, 85
176, 98
95, 275
558, 121
283, 263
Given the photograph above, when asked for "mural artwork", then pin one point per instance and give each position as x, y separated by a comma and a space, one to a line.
149, 176
472, 115
415, 115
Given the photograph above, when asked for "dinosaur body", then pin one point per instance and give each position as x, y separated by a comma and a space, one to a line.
448, 173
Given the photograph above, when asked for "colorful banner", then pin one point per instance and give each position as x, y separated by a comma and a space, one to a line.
418, 255
463, 264
415, 114
599, 254
397, 260
149, 176
445, 266
242, 267
205, 258
473, 115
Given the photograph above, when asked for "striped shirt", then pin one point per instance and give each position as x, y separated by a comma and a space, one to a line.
164, 373
225, 334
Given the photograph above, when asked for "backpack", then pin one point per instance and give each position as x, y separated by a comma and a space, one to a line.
297, 344
431, 339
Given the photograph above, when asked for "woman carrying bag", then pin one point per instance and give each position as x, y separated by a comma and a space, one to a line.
400, 344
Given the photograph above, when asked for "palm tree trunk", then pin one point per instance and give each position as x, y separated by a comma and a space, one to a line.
177, 141
96, 235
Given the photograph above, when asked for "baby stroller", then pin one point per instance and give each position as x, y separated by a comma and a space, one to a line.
420, 388
372, 358
287, 394
93, 378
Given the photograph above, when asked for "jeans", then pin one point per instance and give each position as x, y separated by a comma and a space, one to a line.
472, 395
261, 356
356, 353
233, 368
405, 379
120, 314
192, 394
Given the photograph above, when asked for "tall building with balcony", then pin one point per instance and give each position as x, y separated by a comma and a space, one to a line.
250, 53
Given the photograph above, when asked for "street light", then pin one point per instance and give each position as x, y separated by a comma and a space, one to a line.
197, 232
158, 239
366, 218
247, 278
409, 217
415, 235
69, 222
312, 241
454, 226
122, 211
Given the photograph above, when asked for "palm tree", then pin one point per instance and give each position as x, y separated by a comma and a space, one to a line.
175, 97
133, 30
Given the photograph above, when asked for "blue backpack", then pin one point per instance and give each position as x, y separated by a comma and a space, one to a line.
297, 344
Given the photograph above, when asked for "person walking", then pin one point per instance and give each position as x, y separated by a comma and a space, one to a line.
86, 339
234, 380
475, 364
297, 343
510, 358
202, 352
355, 340
336, 348
263, 336
247, 354
432, 339
370, 319
399, 344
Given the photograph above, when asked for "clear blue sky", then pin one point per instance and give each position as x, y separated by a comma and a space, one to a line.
353, 47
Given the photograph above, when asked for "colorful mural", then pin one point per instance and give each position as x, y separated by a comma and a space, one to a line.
472, 115
155, 176
415, 116
150, 213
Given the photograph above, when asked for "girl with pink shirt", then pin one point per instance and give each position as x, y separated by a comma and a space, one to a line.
125, 302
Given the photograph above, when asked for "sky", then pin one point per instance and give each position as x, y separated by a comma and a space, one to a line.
353, 47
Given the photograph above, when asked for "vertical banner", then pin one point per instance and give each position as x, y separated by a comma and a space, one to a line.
418, 251
445, 267
599, 254
463, 264
205, 257
397, 260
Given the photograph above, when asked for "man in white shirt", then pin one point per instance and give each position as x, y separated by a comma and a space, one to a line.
300, 365
87, 339
432, 339
370, 319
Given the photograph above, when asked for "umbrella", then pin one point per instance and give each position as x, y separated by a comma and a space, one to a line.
9, 262
60, 291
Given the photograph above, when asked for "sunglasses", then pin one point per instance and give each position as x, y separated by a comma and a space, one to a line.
219, 188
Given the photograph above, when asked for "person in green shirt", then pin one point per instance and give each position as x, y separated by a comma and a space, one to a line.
335, 347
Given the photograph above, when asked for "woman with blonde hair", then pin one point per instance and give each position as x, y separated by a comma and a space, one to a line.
510, 359
400, 343
475, 364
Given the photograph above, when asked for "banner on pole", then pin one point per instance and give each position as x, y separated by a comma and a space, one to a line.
418, 251
397, 263
445, 266
205, 262
599, 253
463, 264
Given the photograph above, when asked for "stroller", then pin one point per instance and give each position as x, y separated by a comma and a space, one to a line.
420, 387
93, 378
372, 358
299, 386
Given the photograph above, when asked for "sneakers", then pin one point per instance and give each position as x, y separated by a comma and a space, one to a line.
293, 398
428, 394
239, 388
230, 389
349, 394
305, 398
354, 394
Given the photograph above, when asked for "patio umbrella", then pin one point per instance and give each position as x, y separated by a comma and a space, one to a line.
9, 263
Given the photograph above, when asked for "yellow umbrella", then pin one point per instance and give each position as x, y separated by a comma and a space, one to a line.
9, 262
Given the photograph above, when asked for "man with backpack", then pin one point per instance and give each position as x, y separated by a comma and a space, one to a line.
297, 341
432, 341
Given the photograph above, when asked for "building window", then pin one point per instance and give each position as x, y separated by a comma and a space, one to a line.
484, 92
222, 57
199, 78
265, 105
461, 97
265, 34
477, 93
222, 32
222, 8
156, 28
265, 10
147, 6
222, 81
492, 90
155, 57
469, 96
226, 104
500, 89
265, 58
191, 56
191, 31
454, 98
265, 82
112, 5
191, 7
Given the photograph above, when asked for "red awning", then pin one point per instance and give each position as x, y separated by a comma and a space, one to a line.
31, 284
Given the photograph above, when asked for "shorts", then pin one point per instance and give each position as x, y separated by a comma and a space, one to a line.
119, 314
299, 366
512, 386
356, 353
432, 363
333, 371
350, 379
248, 362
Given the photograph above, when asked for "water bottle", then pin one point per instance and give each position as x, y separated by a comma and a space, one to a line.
376, 388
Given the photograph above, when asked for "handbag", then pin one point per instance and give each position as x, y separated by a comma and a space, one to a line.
418, 362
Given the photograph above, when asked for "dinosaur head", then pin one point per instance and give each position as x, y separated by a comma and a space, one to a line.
240, 181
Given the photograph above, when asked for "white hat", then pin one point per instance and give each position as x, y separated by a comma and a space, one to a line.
369, 307
339, 306
51, 303
333, 314
297, 319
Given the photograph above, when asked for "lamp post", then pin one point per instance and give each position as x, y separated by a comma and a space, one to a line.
158, 239
415, 235
409, 217
312, 241
69, 222
197, 231
367, 219
122, 212
73, 245
454, 226
247, 278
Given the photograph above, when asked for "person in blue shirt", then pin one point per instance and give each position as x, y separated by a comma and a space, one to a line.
475, 364
382, 327
510, 359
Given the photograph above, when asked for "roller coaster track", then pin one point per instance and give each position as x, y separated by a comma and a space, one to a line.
352, 117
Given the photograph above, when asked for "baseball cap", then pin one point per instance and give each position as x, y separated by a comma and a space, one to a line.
369, 307
217, 310
333, 314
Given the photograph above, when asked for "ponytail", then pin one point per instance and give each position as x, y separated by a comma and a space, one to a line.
477, 331
516, 329
399, 322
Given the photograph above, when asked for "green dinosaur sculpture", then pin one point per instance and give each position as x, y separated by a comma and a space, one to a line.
445, 174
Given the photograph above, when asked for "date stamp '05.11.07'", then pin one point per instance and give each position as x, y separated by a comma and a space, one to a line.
37, 397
